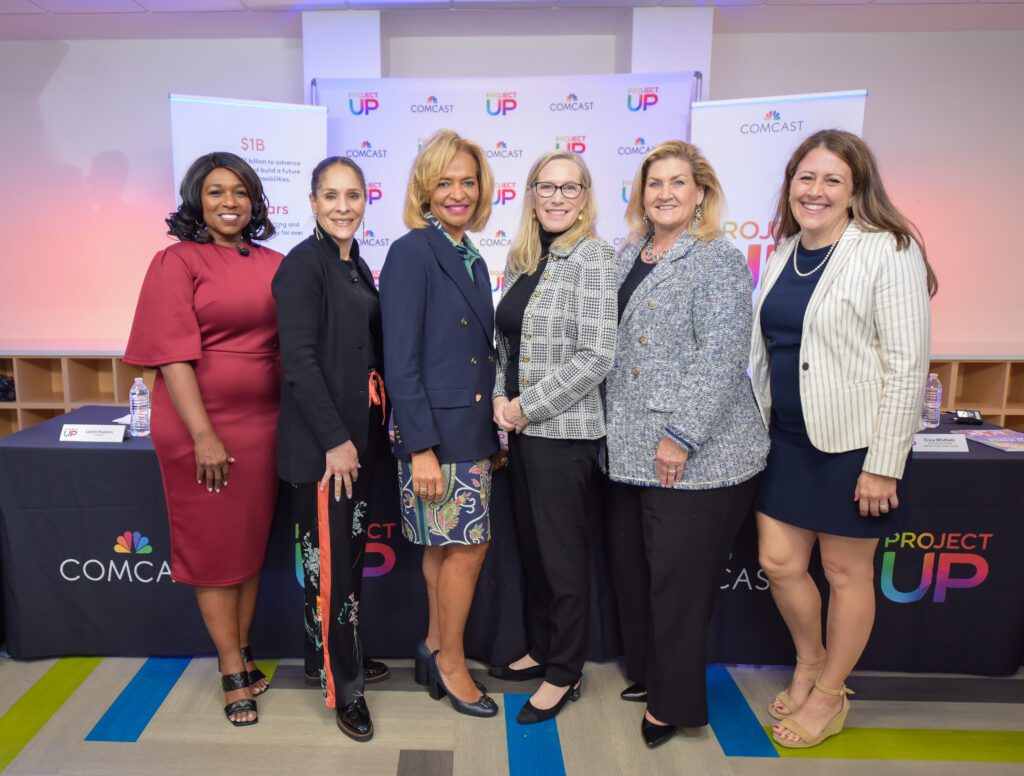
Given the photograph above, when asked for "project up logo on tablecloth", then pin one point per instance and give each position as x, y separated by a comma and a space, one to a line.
122, 569
948, 561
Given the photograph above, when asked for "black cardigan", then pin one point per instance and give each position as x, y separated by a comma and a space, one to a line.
326, 350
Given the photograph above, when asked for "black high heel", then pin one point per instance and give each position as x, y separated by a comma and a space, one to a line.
230, 683
483, 707
256, 675
531, 715
655, 735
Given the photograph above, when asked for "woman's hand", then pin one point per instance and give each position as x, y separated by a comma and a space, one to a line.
876, 494
514, 416
213, 462
427, 480
342, 464
498, 405
669, 462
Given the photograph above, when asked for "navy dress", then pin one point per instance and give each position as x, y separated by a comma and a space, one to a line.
802, 485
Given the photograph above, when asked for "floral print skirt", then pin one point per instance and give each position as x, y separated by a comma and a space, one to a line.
461, 516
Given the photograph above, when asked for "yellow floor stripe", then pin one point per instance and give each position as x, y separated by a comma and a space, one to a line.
994, 746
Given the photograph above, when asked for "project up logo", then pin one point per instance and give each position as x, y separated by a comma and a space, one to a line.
380, 555
363, 103
501, 150
504, 192
118, 569
576, 144
374, 192
366, 150
571, 103
771, 124
627, 187
638, 147
948, 561
501, 103
431, 105
641, 98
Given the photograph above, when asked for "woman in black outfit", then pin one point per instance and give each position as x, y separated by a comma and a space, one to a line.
332, 424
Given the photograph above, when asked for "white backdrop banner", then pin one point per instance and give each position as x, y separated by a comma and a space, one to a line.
749, 142
610, 120
281, 142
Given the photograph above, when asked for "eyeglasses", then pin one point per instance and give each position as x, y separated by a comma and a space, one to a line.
569, 190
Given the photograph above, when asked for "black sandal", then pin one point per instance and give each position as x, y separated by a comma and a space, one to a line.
255, 675
230, 683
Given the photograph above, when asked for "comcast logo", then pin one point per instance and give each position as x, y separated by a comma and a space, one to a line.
133, 543
772, 115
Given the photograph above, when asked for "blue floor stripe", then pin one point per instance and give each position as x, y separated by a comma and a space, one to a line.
737, 729
129, 714
533, 750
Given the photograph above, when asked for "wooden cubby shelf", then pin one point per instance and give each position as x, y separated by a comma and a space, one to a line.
47, 385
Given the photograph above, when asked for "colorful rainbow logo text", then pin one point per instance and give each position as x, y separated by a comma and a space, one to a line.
133, 543
504, 192
576, 144
641, 97
948, 561
501, 103
363, 103
373, 192
772, 115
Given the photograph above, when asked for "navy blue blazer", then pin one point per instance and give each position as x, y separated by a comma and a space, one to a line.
439, 358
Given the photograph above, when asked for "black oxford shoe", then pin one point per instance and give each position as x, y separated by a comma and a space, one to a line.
354, 720
374, 671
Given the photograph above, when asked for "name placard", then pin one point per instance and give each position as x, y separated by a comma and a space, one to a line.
940, 443
82, 432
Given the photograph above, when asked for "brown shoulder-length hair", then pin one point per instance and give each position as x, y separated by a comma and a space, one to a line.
428, 168
871, 207
186, 223
712, 206
525, 254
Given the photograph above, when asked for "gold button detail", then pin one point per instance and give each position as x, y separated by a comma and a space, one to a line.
529, 314
547, 276
479, 397
652, 304
536, 294
527, 336
473, 360
526, 359
526, 381
464, 322
636, 371
643, 340
490, 359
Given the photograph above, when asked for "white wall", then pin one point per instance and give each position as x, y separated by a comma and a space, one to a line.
944, 117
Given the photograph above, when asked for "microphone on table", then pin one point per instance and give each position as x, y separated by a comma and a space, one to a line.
242, 250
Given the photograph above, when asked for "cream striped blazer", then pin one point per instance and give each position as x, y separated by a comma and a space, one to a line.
864, 350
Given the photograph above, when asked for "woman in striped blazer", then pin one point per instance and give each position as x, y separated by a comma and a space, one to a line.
839, 357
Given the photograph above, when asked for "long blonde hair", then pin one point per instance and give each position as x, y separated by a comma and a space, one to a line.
871, 207
428, 168
712, 206
524, 256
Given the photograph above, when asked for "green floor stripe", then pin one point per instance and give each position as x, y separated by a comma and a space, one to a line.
269, 667
33, 709
991, 746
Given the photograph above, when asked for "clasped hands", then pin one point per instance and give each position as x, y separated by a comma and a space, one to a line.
509, 415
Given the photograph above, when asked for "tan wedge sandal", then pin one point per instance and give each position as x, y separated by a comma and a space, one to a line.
833, 727
785, 698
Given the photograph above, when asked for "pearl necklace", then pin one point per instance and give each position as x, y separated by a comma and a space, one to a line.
821, 264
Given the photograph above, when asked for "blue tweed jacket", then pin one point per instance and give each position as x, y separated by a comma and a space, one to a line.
681, 369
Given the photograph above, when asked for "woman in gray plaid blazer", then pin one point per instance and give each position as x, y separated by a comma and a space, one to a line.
556, 342
685, 441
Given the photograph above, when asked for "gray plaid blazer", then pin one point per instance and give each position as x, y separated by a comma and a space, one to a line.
568, 342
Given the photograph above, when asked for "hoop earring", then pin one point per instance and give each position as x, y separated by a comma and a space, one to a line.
698, 216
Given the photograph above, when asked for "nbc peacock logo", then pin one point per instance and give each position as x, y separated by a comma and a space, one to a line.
371, 239
431, 100
571, 103
366, 150
773, 115
771, 124
502, 150
431, 105
638, 147
499, 240
365, 144
133, 543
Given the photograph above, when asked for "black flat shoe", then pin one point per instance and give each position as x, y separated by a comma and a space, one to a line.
635, 692
373, 671
531, 715
354, 720
230, 683
256, 675
516, 674
656, 735
483, 707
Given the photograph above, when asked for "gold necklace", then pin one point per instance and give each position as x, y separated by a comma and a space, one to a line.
821, 264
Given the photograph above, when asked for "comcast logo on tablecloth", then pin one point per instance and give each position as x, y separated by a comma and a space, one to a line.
133, 543
773, 115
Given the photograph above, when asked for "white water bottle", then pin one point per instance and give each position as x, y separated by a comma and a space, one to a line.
138, 403
932, 401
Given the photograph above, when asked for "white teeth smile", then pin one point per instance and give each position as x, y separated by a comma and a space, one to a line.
814, 208
229, 216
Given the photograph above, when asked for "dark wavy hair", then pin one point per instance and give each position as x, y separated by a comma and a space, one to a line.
186, 223
326, 164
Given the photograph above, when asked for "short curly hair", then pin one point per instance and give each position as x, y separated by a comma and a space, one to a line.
186, 223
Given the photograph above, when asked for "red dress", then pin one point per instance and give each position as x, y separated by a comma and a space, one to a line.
211, 306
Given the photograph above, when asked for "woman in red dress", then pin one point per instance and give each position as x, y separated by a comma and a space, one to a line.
207, 319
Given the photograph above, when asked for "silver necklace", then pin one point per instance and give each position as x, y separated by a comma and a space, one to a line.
821, 264
652, 257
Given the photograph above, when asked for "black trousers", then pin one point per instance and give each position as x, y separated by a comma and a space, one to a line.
555, 485
333, 544
668, 549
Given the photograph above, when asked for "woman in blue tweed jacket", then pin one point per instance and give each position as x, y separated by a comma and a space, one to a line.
556, 342
685, 440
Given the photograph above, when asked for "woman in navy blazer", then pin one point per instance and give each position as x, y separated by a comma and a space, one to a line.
440, 364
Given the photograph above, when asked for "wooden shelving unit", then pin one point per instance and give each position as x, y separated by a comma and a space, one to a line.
46, 386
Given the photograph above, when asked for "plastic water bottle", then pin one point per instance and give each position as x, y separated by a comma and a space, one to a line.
932, 401
138, 402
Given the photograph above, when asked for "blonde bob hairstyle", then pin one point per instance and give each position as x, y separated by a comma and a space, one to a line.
712, 206
525, 255
428, 169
